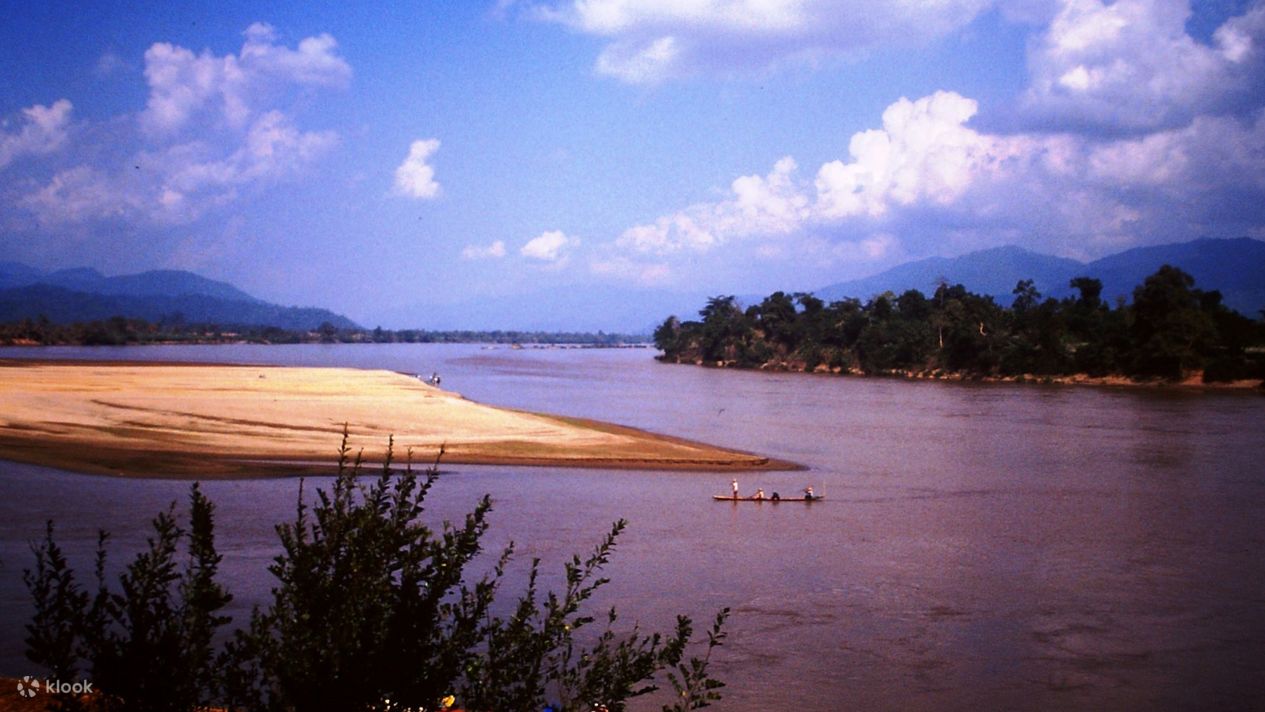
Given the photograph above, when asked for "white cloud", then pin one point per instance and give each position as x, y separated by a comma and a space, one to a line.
656, 40
612, 17
76, 195
621, 267
551, 246
772, 204
923, 153
42, 130
178, 184
314, 63
190, 180
648, 63
109, 64
182, 85
242, 142
414, 178
927, 182
1131, 65
868, 249
480, 252
1212, 155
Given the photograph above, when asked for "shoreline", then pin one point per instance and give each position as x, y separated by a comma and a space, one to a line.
1193, 381
187, 420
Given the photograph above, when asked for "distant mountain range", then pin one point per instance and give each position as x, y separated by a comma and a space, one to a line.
1235, 267
84, 294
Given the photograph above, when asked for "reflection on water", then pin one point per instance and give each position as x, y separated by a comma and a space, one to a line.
1000, 547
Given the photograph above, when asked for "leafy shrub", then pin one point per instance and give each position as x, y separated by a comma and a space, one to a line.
148, 645
373, 610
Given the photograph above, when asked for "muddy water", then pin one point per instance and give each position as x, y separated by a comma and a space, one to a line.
981, 546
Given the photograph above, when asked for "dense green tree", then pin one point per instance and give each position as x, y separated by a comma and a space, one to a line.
725, 329
778, 319
667, 337
1037, 337
1170, 330
968, 327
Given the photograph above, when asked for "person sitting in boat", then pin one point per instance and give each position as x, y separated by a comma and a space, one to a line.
734, 483
776, 497
808, 494
759, 494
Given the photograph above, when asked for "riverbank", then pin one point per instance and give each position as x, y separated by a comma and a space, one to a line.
1193, 380
221, 421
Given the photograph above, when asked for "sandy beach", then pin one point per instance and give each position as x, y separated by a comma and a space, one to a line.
195, 420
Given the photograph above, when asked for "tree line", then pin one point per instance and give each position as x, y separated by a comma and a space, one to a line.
1168, 330
121, 331
372, 609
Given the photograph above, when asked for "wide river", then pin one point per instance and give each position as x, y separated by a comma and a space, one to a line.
981, 546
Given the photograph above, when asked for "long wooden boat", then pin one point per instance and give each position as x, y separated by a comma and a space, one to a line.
770, 500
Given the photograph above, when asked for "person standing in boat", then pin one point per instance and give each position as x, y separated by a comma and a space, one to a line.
734, 483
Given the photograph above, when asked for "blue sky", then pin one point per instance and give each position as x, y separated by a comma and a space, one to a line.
375, 161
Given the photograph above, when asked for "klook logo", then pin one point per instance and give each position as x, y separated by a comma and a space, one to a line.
28, 687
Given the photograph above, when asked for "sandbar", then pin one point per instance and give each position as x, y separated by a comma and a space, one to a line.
221, 421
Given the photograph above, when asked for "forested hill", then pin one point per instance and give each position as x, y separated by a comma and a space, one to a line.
164, 282
170, 296
1169, 330
1234, 267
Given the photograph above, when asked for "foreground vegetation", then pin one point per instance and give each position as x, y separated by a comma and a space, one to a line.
121, 331
1169, 330
372, 610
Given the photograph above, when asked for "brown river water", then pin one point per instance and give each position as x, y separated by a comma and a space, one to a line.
982, 546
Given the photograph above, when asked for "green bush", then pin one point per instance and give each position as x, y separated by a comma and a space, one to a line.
147, 645
373, 610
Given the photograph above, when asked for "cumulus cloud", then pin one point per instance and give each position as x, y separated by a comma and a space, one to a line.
42, 130
923, 154
79, 194
551, 246
244, 140
926, 182
495, 250
192, 178
182, 85
651, 41
760, 205
1213, 156
178, 184
1131, 66
415, 178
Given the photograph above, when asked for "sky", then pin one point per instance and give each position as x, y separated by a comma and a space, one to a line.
376, 160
